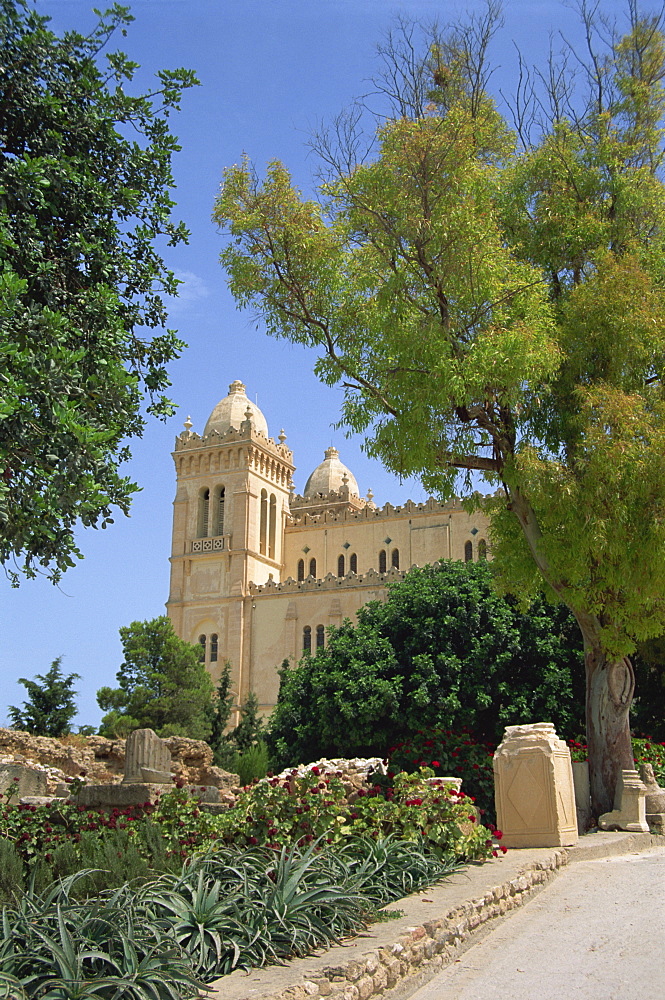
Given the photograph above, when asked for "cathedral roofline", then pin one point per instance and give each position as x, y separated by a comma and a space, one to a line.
371, 579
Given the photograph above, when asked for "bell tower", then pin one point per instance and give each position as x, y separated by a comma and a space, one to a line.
230, 510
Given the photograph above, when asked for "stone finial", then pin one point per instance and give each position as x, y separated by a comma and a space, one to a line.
147, 758
282, 436
236, 386
629, 811
188, 425
249, 413
654, 803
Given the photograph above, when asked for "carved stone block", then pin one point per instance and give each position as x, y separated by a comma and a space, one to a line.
533, 787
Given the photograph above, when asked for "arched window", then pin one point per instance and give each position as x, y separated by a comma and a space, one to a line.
202, 651
395, 559
272, 526
218, 528
213, 647
312, 567
263, 526
307, 639
382, 561
482, 549
468, 552
301, 569
340, 566
320, 636
353, 563
204, 509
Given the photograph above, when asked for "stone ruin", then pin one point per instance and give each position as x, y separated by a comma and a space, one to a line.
629, 811
147, 775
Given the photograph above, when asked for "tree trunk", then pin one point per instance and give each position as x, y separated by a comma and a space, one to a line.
609, 692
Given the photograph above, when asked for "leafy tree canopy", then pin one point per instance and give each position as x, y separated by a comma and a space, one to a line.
50, 707
443, 649
85, 175
493, 301
162, 685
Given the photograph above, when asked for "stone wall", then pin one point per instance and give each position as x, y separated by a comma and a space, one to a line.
103, 759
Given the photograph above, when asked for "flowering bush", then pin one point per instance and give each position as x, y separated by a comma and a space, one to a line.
450, 753
645, 751
302, 808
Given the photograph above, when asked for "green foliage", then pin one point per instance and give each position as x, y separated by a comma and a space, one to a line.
252, 763
223, 707
50, 707
11, 873
162, 685
443, 650
648, 709
85, 176
224, 910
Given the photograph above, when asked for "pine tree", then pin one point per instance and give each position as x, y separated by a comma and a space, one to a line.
50, 707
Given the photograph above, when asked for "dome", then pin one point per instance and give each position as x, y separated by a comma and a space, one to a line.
329, 477
231, 411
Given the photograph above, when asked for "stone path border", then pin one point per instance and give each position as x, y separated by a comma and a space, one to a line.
393, 959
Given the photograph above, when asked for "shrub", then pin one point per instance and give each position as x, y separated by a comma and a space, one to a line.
443, 650
251, 764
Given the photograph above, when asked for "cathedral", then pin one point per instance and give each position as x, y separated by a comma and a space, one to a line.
258, 572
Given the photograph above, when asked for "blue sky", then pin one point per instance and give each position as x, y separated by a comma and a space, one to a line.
270, 70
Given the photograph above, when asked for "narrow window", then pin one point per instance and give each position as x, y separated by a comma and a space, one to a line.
219, 511
263, 527
320, 636
301, 569
340, 566
468, 552
272, 526
482, 549
213, 648
353, 563
204, 507
312, 567
307, 639
202, 651
382, 561
395, 559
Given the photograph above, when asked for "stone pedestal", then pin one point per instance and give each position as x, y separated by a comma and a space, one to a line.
629, 811
147, 758
533, 788
582, 795
120, 796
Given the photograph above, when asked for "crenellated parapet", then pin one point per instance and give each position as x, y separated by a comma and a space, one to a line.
352, 581
245, 447
371, 513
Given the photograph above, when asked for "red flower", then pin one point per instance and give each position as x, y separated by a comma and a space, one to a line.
435, 763
498, 834
503, 848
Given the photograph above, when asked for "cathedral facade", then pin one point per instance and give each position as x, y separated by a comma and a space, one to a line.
258, 573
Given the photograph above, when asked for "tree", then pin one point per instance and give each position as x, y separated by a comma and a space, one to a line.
85, 175
50, 707
162, 685
493, 305
443, 650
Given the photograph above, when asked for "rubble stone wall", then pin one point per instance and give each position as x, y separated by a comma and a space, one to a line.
102, 759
